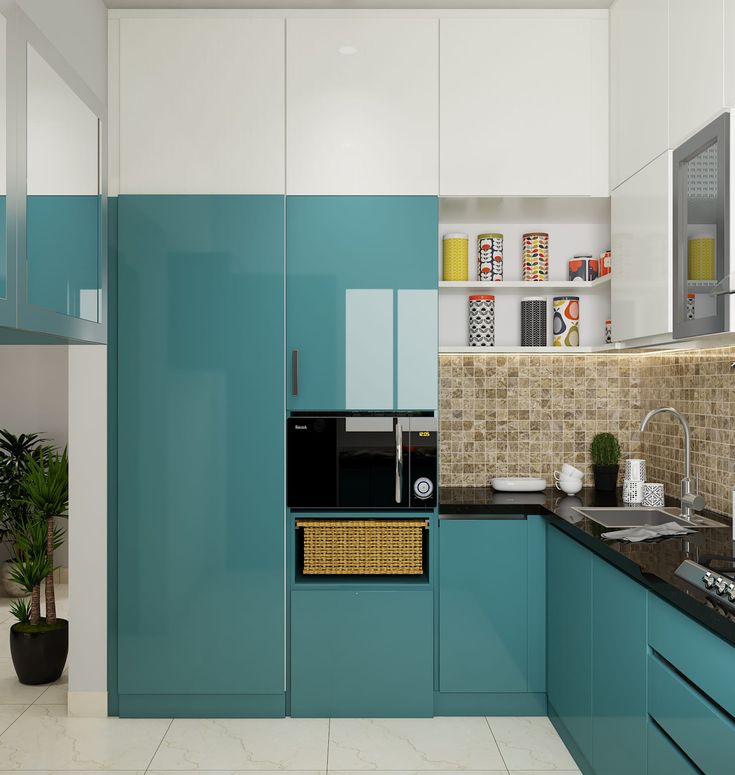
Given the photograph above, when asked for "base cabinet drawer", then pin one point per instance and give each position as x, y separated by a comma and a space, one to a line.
664, 758
362, 653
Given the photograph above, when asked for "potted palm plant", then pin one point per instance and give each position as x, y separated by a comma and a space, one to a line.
39, 644
606, 459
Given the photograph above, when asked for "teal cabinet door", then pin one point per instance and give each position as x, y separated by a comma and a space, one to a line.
200, 452
619, 652
362, 653
664, 757
569, 640
348, 329
7, 273
486, 608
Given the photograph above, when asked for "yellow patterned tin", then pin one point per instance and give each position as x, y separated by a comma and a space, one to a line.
702, 258
455, 252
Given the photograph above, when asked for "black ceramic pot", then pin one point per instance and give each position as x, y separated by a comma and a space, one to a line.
606, 478
39, 657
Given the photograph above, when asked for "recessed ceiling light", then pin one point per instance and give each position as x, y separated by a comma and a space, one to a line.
347, 50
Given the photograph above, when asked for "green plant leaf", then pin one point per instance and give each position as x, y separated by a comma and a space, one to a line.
21, 609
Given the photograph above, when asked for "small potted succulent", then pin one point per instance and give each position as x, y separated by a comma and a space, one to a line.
606, 461
39, 644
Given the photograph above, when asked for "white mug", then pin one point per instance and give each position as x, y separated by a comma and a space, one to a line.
569, 486
568, 472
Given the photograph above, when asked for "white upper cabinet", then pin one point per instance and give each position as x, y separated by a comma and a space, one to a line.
524, 105
642, 277
638, 85
729, 36
362, 106
696, 62
202, 103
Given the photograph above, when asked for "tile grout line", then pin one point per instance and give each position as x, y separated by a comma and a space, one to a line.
160, 743
14, 720
329, 739
492, 734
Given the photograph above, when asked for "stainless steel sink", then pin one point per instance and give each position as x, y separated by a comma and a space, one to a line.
635, 516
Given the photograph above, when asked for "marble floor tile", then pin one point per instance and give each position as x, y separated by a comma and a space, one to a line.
8, 714
530, 743
244, 744
45, 738
413, 744
56, 693
12, 692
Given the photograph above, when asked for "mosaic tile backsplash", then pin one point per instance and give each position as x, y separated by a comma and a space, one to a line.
524, 415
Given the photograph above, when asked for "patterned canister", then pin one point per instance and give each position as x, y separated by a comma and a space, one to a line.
533, 321
582, 268
455, 256
608, 332
566, 321
536, 256
605, 263
702, 258
691, 300
490, 257
482, 321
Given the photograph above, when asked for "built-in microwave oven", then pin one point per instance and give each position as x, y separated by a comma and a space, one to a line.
362, 461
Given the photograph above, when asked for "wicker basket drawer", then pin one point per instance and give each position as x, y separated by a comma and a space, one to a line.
363, 546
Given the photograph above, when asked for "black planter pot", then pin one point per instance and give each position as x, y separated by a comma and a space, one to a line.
39, 657
606, 478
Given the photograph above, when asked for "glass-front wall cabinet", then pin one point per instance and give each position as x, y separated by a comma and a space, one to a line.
63, 201
701, 230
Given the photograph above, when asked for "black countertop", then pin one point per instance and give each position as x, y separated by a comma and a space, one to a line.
651, 563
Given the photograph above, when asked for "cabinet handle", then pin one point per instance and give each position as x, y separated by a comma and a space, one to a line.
399, 461
294, 372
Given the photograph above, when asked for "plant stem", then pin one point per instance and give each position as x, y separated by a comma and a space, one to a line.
50, 593
36, 604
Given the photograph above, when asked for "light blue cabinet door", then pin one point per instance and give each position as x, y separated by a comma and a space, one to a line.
484, 605
569, 643
619, 650
338, 243
362, 653
200, 429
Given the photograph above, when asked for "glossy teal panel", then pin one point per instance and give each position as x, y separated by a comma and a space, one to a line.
703, 657
202, 705
664, 758
3, 250
619, 649
200, 427
356, 653
537, 529
569, 636
63, 254
483, 606
697, 726
490, 704
335, 243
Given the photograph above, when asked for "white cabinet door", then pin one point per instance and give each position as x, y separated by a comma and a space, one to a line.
362, 106
729, 27
639, 71
696, 53
524, 106
642, 275
202, 106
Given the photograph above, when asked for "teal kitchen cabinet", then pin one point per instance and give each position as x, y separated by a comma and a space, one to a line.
362, 277
362, 653
619, 653
569, 643
664, 757
200, 456
492, 612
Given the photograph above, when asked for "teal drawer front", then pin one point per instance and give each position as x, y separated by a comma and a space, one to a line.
697, 726
200, 446
619, 653
362, 653
483, 606
664, 758
704, 658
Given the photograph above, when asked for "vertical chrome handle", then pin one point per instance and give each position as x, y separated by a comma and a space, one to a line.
294, 372
399, 461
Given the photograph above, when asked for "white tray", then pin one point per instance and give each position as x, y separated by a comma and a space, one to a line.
518, 484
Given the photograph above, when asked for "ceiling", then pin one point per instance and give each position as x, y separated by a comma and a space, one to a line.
348, 4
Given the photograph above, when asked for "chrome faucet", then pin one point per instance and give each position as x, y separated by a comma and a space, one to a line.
690, 502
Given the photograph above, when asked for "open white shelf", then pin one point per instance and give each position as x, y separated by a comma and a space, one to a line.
576, 226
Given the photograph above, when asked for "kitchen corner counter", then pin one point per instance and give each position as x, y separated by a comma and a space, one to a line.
651, 564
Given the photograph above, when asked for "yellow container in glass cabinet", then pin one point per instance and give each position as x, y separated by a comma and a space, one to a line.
455, 251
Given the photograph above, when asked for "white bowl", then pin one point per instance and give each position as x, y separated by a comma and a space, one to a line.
518, 484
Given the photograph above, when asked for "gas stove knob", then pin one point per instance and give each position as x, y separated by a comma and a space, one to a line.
709, 580
423, 488
720, 586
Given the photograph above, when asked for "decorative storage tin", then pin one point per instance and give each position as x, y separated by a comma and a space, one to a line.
702, 258
363, 546
455, 256
608, 332
536, 256
583, 268
566, 321
605, 263
490, 257
691, 301
482, 321
533, 321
